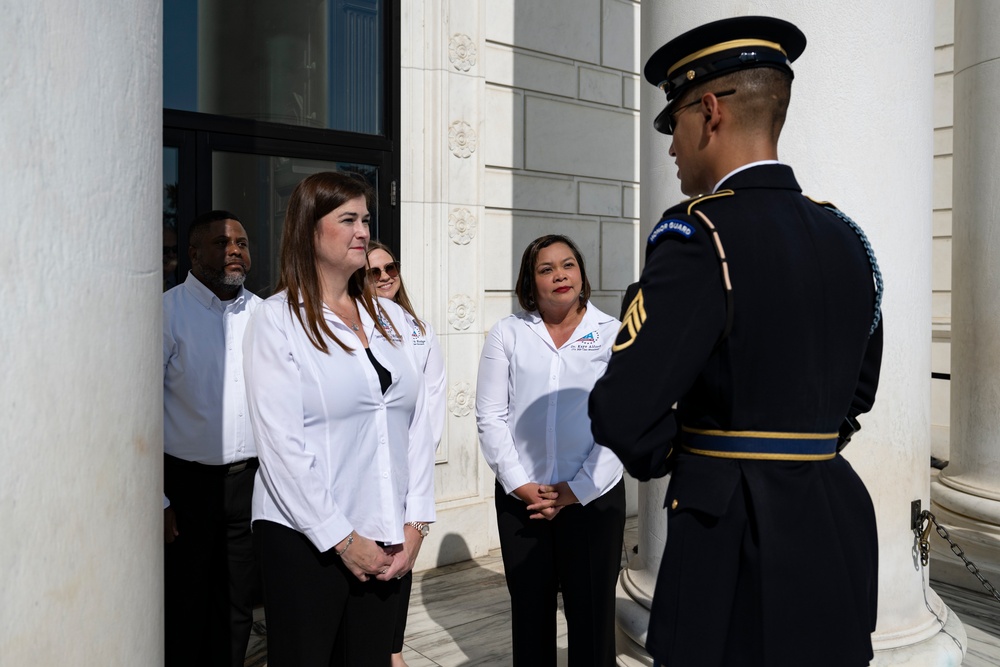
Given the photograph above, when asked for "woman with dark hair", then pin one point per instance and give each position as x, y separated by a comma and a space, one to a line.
560, 498
345, 486
387, 281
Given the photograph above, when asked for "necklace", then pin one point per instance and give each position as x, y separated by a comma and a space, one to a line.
354, 325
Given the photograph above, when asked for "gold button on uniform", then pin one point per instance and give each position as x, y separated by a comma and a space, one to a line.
673, 505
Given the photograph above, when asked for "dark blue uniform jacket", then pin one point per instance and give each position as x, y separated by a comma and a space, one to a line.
758, 317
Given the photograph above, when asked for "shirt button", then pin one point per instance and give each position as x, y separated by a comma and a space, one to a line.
385, 475
382, 440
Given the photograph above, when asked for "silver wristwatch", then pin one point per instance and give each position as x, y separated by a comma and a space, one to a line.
422, 528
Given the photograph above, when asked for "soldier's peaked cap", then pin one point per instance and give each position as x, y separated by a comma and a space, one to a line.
719, 48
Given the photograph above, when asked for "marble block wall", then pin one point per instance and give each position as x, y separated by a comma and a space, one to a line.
519, 118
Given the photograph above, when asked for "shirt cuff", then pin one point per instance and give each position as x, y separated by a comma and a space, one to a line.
166, 502
513, 479
420, 509
585, 490
328, 534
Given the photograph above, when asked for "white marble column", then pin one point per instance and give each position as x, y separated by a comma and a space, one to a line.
858, 134
81, 425
966, 496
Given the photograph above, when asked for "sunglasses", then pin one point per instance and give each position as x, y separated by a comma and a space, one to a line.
672, 115
391, 270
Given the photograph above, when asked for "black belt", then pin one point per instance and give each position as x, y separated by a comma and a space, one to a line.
224, 469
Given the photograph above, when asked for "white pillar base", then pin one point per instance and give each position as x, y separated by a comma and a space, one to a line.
974, 524
945, 648
632, 617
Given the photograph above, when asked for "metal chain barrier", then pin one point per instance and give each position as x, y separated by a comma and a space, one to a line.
926, 519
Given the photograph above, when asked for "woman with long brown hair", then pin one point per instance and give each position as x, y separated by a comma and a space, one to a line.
345, 484
384, 274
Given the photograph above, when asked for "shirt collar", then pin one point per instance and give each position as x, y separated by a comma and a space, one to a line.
739, 169
207, 297
592, 319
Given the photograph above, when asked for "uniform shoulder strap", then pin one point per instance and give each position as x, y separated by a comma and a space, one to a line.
727, 283
876, 272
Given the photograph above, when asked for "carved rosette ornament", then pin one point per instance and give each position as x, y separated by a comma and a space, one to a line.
461, 226
462, 52
461, 139
461, 312
461, 398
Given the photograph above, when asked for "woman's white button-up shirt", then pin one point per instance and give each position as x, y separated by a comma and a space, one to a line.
531, 404
336, 454
430, 361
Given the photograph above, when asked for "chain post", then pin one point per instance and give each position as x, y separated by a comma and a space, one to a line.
926, 519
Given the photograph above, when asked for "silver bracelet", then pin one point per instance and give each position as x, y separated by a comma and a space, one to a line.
350, 541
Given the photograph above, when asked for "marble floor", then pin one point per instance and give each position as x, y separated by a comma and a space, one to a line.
459, 617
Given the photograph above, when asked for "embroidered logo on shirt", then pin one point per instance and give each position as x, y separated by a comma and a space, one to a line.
685, 229
418, 339
395, 337
591, 341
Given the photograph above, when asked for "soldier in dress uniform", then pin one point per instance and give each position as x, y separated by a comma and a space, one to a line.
758, 314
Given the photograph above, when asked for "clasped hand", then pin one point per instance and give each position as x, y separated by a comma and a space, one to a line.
545, 501
365, 558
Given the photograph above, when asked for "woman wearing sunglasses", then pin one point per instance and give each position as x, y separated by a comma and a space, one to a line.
387, 283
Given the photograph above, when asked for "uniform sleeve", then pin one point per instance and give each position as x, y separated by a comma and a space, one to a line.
864, 393
437, 389
493, 410
666, 338
274, 396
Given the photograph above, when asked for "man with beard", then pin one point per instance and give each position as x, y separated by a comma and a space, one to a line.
210, 459
749, 351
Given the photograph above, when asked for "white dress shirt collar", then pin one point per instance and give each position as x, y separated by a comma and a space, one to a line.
592, 319
207, 297
739, 169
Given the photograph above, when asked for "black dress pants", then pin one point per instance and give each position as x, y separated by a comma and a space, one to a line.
402, 611
318, 613
211, 576
579, 553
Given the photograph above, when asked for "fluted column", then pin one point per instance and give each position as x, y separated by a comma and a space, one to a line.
966, 496
858, 134
81, 427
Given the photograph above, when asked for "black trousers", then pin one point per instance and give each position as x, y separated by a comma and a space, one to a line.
318, 613
578, 553
211, 576
402, 611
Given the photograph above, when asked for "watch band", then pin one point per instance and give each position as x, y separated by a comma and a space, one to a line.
420, 527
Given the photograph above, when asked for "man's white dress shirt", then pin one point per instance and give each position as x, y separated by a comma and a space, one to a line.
531, 404
205, 416
336, 454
